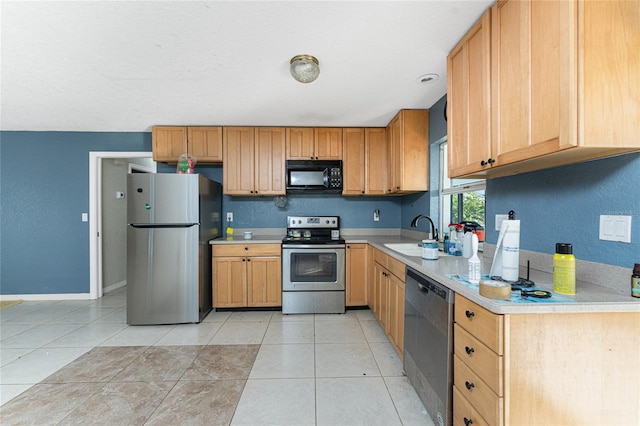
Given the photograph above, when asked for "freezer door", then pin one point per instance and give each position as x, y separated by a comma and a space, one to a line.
162, 275
162, 198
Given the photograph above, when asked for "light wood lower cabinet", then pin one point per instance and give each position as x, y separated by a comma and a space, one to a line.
247, 275
387, 300
545, 369
356, 276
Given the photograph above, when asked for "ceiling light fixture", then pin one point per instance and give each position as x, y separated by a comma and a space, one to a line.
427, 78
304, 68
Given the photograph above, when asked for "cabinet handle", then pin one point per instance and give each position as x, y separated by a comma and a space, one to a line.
246, 248
244, 259
468, 350
491, 161
362, 192
248, 260
469, 314
483, 163
467, 421
469, 385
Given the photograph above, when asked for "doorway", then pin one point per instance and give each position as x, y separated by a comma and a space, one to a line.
119, 164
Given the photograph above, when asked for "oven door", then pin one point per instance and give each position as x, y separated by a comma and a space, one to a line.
313, 267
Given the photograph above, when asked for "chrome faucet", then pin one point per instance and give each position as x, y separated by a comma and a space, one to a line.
414, 224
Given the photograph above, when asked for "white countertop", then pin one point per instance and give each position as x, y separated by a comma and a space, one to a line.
588, 298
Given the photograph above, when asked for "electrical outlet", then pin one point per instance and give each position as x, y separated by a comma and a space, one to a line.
376, 215
229, 217
499, 219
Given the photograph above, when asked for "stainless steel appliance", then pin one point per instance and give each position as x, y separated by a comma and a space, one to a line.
428, 340
313, 266
315, 176
171, 219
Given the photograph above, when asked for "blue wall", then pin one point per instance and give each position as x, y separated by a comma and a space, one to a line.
564, 205
44, 177
44, 245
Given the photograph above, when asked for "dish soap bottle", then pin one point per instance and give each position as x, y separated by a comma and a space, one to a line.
564, 269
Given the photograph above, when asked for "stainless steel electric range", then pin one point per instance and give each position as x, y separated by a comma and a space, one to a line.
313, 266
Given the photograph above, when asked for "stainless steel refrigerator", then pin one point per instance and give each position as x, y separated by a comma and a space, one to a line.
171, 219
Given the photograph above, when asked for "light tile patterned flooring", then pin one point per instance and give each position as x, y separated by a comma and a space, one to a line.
77, 362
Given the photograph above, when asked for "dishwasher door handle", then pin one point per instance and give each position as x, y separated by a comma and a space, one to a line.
422, 288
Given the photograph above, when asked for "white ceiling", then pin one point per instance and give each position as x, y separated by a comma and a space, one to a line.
128, 65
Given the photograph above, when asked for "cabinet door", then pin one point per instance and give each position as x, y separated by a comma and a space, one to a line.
269, 161
413, 151
168, 143
300, 143
376, 294
533, 78
328, 143
353, 161
468, 98
205, 143
238, 154
229, 282
264, 281
356, 291
375, 161
396, 313
394, 134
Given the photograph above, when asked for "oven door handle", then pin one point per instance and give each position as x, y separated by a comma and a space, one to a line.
313, 246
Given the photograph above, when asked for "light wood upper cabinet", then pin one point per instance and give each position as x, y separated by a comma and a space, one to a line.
308, 143
203, 143
364, 161
254, 161
269, 161
408, 152
353, 161
375, 161
239, 164
564, 86
469, 91
168, 143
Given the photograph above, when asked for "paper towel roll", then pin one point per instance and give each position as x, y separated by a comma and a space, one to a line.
506, 259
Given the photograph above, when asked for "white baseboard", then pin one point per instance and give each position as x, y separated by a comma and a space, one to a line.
113, 287
62, 296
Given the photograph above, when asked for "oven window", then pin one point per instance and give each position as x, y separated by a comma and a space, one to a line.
306, 178
314, 267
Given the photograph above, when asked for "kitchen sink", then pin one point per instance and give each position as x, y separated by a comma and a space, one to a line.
408, 249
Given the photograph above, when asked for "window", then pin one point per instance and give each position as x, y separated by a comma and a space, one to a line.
460, 199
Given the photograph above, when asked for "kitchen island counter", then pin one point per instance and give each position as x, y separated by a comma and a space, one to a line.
589, 297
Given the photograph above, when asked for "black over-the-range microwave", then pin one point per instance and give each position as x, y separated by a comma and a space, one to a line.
314, 176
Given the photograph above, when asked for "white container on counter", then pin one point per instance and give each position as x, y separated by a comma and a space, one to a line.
430, 249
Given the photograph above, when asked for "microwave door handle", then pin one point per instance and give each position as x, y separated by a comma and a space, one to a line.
325, 177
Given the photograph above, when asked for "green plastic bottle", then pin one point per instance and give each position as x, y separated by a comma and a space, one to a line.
564, 269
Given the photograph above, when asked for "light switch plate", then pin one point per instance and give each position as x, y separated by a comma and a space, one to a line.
615, 228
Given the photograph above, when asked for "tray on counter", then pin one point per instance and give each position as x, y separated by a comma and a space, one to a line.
515, 294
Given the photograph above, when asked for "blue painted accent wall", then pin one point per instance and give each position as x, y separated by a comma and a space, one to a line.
564, 204
44, 177
45, 189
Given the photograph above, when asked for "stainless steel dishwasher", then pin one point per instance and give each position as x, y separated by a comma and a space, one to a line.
428, 343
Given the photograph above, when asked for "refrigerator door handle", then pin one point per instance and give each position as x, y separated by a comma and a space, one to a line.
164, 225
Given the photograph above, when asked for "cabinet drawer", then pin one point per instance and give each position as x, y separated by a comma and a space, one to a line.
481, 323
246, 250
482, 360
489, 405
396, 267
380, 257
463, 412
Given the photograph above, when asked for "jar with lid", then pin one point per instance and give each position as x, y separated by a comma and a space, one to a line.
564, 269
430, 249
635, 281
